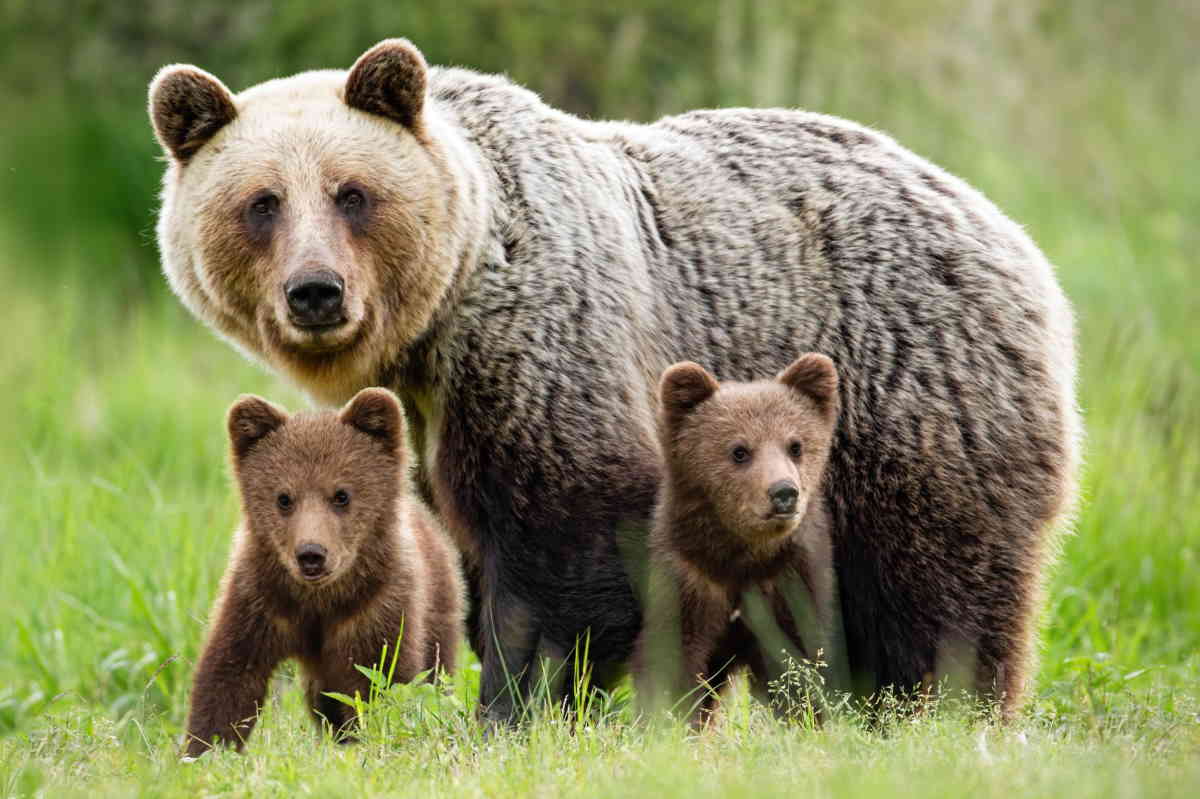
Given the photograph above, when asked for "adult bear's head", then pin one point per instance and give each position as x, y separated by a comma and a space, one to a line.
317, 221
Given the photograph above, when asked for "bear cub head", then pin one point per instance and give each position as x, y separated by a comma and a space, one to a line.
320, 491
748, 456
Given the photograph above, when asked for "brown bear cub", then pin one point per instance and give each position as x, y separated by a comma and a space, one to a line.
334, 559
741, 564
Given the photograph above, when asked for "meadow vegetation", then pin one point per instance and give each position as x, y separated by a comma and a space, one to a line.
1078, 118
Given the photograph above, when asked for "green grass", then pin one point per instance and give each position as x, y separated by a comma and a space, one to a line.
116, 509
421, 740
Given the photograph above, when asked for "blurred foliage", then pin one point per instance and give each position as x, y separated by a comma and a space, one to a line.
1068, 88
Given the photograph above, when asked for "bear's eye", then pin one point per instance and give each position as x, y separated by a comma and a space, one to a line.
351, 200
284, 501
740, 454
341, 498
794, 449
264, 206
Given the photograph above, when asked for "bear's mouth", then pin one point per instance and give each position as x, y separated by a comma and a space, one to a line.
313, 574
316, 328
323, 337
315, 579
311, 339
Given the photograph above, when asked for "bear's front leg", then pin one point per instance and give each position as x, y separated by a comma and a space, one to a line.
679, 667
336, 676
231, 678
708, 657
509, 633
786, 656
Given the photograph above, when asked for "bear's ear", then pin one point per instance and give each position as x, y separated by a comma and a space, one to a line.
376, 412
187, 107
684, 386
250, 419
814, 376
389, 80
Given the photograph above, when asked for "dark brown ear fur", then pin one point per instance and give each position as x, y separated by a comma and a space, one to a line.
187, 107
250, 419
389, 80
684, 386
814, 376
376, 412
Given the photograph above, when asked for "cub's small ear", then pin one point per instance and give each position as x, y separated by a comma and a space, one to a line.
684, 386
389, 80
376, 412
814, 376
250, 419
187, 107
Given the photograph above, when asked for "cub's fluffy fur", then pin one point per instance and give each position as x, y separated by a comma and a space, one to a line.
741, 511
333, 561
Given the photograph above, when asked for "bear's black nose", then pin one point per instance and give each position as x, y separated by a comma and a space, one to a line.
311, 558
783, 495
314, 298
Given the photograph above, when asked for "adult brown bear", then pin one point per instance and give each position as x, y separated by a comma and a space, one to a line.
520, 277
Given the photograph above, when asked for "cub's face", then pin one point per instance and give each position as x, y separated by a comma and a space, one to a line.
305, 218
317, 488
755, 452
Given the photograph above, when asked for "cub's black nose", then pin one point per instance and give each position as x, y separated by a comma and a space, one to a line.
311, 558
783, 495
314, 298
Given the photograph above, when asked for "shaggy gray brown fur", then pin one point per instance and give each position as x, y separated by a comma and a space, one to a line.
521, 277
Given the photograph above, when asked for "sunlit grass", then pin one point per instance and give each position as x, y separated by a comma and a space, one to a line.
418, 740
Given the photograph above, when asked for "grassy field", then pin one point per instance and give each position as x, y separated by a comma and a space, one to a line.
116, 508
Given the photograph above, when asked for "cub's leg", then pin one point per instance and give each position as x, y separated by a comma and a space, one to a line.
683, 660
231, 678
780, 632
360, 641
336, 676
734, 649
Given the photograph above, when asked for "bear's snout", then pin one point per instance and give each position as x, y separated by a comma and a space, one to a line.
311, 558
314, 298
783, 495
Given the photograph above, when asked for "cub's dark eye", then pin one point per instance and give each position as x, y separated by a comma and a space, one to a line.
264, 206
284, 501
740, 454
794, 449
351, 200
341, 498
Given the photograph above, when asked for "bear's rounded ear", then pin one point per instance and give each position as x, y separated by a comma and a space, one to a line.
389, 80
376, 412
814, 376
684, 386
187, 107
250, 419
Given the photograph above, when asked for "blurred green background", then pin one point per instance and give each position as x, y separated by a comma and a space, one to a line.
1079, 118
